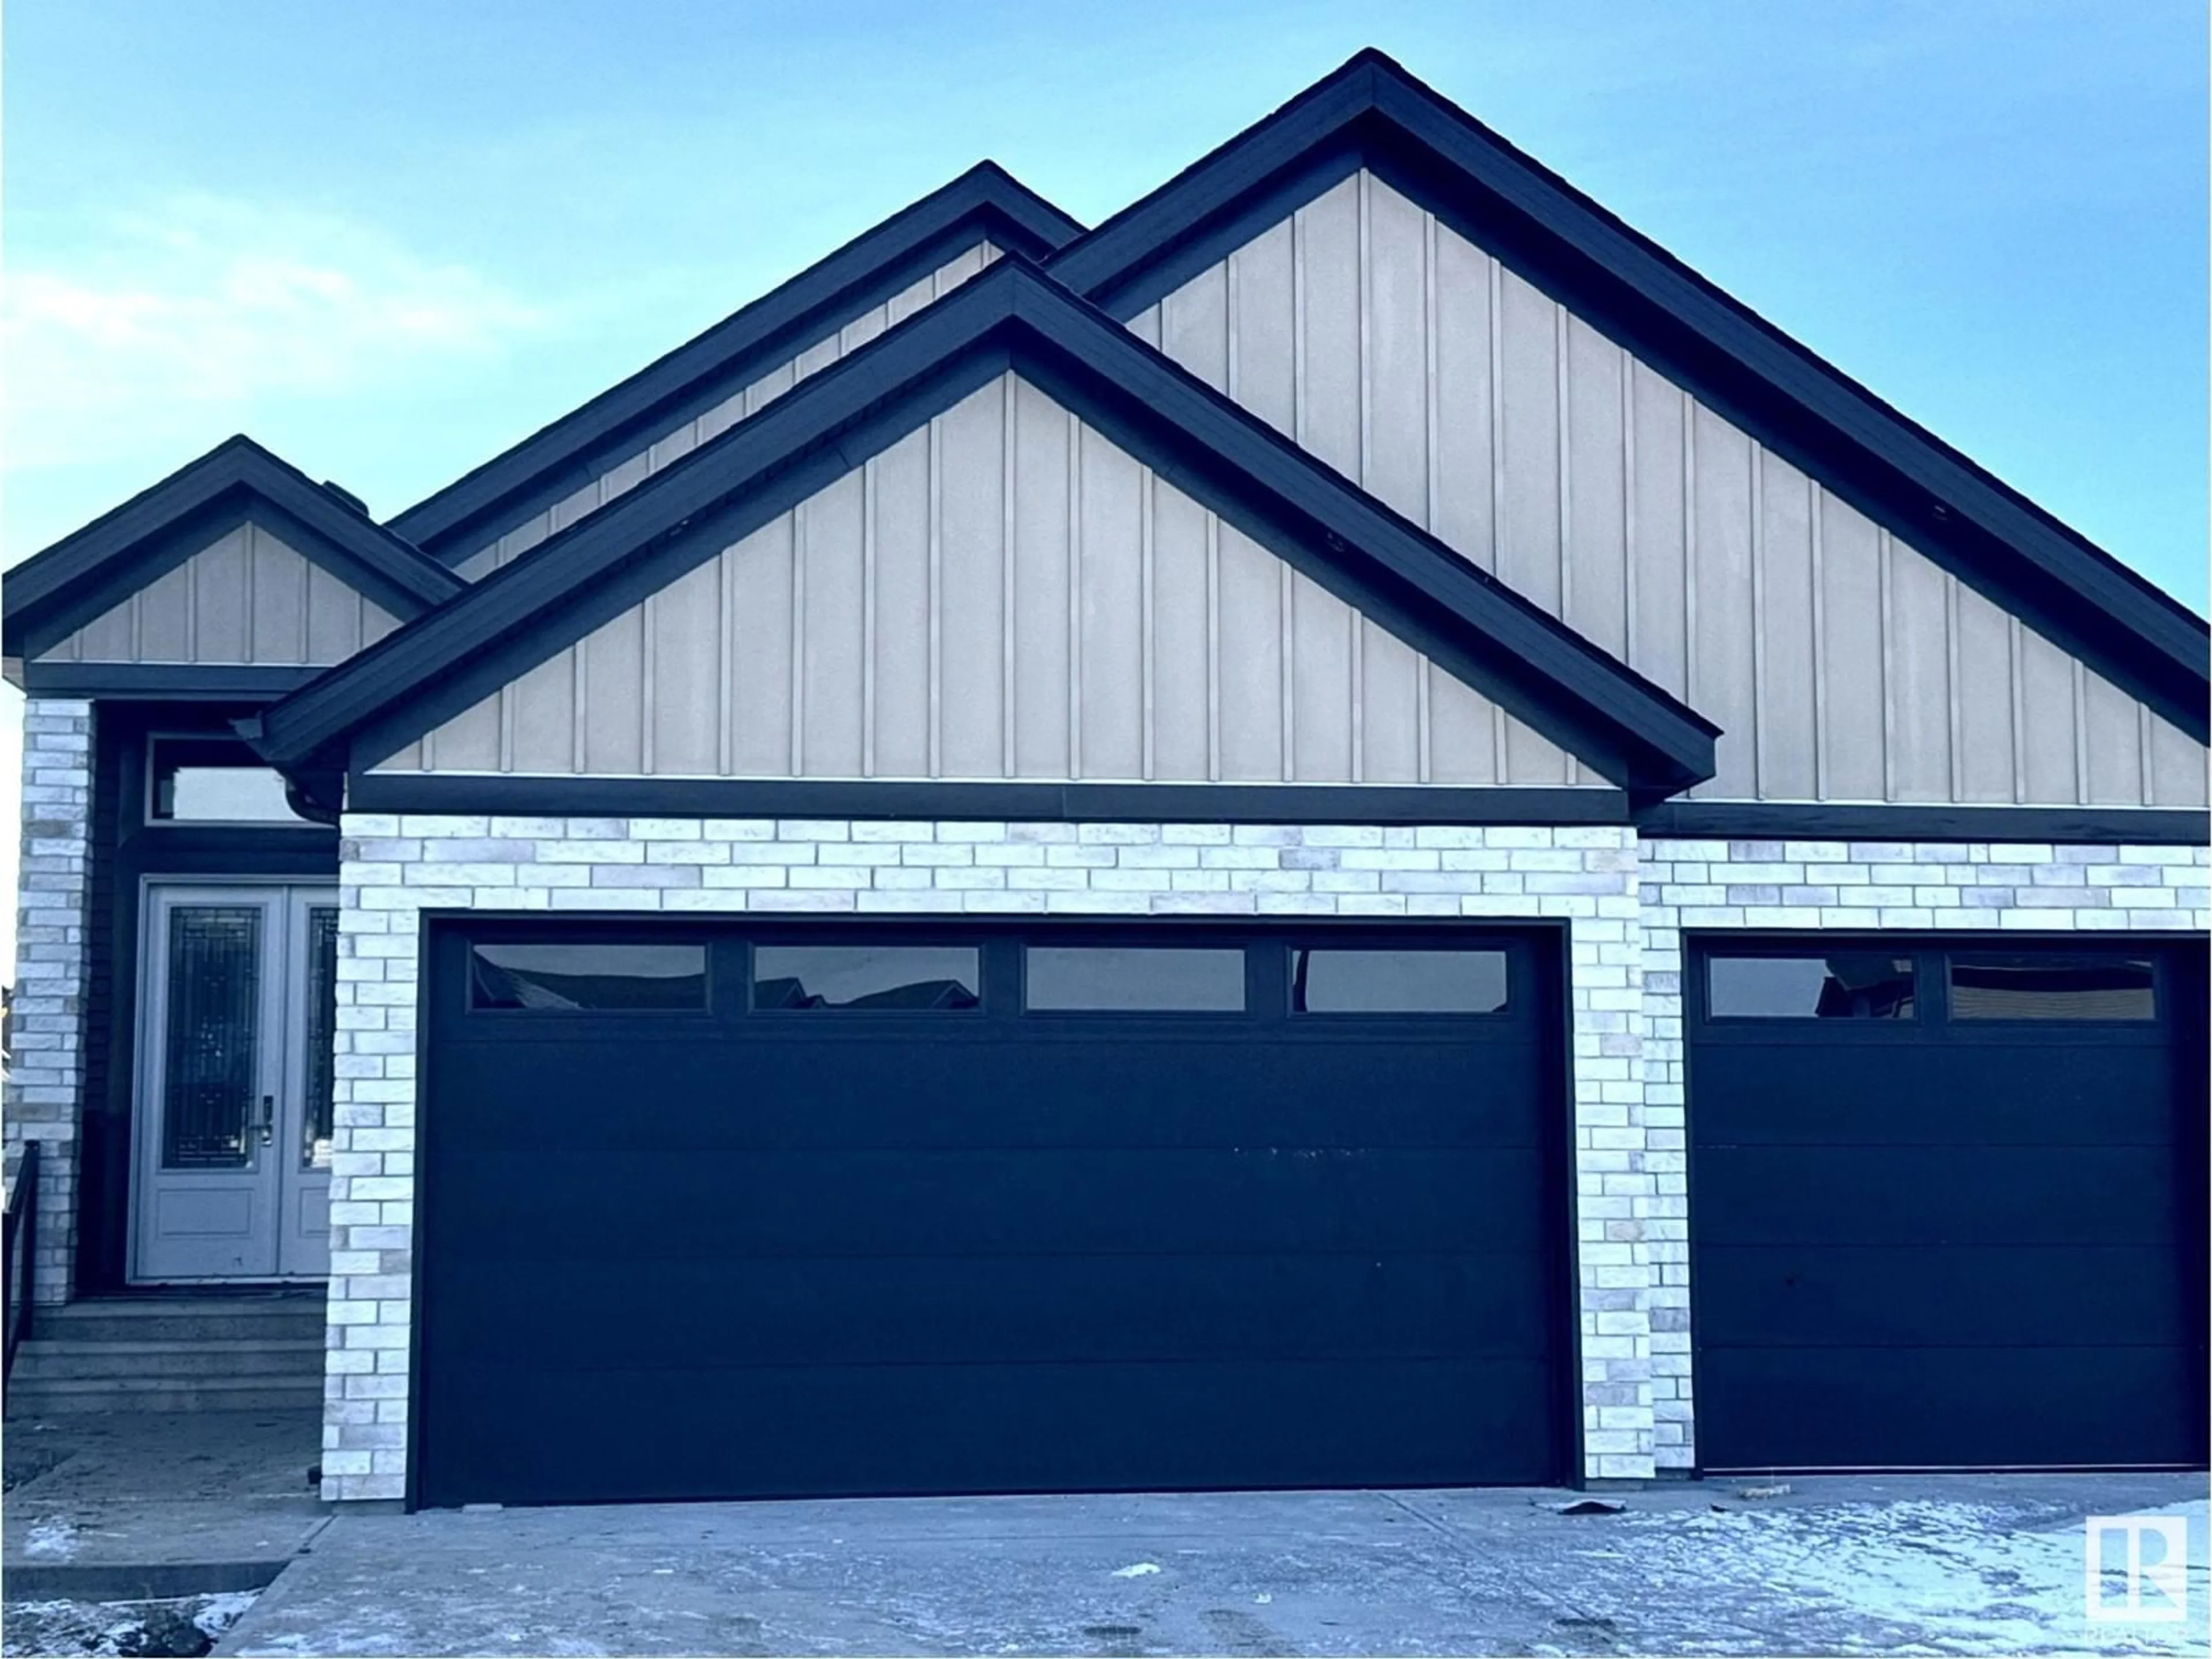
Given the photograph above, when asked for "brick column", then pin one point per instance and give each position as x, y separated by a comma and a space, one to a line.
45, 1079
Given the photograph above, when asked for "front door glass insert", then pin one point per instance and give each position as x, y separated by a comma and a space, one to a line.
319, 1056
213, 1040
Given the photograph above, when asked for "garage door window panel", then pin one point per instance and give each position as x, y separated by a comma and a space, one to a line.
2105, 988
587, 977
903, 979
1367, 983
1117, 979
1848, 985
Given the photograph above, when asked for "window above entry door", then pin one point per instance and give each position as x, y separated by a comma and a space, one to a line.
214, 781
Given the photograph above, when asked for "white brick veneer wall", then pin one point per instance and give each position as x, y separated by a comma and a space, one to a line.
1705, 886
1627, 908
1629, 1156
46, 1037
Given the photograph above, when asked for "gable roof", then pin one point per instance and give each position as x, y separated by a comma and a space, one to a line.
83, 574
1371, 112
986, 202
1011, 316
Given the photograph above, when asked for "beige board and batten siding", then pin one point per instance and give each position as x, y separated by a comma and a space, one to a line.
247, 598
1004, 594
1841, 665
679, 441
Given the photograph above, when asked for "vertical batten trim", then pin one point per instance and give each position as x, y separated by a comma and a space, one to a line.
2017, 668
1008, 456
1290, 670
1146, 507
1562, 414
306, 615
1496, 273
1629, 652
252, 558
1074, 596
1431, 416
1362, 196
1432, 502
648, 615
139, 630
1954, 720
1814, 520
2081, 731
868, 511
506, 711
799, 538
725, 667
1756, 526
1424, 743
1213, 647
579, 685
2148, 791
1298, 327
1232, 312
193, 609
1359, 676
1888, 702
1365, 297
936, 606
1690, 551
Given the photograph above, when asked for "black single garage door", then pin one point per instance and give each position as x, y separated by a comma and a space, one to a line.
897, 1210
1948, 1204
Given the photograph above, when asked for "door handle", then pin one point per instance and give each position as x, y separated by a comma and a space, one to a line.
268, 1120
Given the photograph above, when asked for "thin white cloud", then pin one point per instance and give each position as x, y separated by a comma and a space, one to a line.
185, 318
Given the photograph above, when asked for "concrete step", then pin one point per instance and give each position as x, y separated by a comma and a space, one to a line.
179, 1318
69, 1357
55, 1396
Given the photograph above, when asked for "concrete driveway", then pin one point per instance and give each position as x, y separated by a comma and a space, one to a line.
1956, 1565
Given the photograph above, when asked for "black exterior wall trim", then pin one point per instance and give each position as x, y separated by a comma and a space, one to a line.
1371, 112
57, 591
986, 202
1012, 802
1009, 317
2100, 825
227, 681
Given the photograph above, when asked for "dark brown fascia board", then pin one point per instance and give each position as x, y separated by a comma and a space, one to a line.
94, 569
1371, 112
986, 201
1010, 317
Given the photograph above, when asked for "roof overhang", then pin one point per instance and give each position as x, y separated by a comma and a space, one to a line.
984, 203
1010, 317
1371, 113
57, 591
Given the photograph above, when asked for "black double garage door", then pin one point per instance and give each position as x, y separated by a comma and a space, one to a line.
786, 1212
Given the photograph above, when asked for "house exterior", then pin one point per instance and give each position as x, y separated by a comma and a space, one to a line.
1347, 830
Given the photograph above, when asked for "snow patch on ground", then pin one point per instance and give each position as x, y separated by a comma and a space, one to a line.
51, 1540
1927, 1577
186, 1626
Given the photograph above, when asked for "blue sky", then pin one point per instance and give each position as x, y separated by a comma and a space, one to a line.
389, 240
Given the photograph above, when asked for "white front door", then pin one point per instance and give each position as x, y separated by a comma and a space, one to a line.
233, 1132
